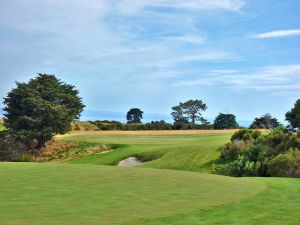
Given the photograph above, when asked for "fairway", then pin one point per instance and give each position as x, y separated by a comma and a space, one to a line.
173, 187
84, 194
180, 150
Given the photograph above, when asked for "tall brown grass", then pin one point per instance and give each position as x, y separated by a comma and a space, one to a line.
151, 132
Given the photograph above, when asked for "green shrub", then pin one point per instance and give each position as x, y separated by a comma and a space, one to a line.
286, 164
280, 141
251, 154
242, 167
232, 150
182, 125
246, 135
21, 158
158, 125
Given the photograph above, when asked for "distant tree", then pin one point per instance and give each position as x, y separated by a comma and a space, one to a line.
134, 115
177, 114
189, 111
41, 108
265, 122
293, 116
225, 121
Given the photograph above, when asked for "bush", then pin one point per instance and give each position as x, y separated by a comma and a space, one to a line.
246, 135
252, 154
232, 150
158, 125
182, 125
242, 167
286, 164
280, 141
12, 146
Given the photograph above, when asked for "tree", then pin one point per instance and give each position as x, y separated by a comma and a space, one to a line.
293, 116
190, 110
41, 108
134, 115
265, 122
177, 114
225, 121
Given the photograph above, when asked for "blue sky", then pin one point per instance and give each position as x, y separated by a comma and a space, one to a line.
238, 56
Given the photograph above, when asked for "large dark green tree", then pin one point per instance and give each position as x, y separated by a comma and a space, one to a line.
189, 111
265, 122
42, 108
225, 121
134, 115
293, 116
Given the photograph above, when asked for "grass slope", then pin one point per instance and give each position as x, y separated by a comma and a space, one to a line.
86, 194
180, 152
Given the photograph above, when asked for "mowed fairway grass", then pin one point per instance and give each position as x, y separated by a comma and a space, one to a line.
85, 191
180, 150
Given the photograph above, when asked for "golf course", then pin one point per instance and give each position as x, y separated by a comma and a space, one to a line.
174, 185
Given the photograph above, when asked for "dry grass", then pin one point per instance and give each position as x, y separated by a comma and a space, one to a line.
151, 132
63, 151
83, 126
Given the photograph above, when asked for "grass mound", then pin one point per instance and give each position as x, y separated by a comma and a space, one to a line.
86, 194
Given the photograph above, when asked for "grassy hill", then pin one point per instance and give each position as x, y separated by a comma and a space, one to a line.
84, 191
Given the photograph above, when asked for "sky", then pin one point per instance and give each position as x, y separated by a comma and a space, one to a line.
237, 56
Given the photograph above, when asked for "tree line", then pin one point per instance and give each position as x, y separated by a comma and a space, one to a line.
186, 115
45, 106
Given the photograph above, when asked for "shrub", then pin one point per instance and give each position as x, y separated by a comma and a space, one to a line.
252, 154
242, 167
246, 135
232, 150
12, 146
280, 141
182, 125
158, 125
286, 164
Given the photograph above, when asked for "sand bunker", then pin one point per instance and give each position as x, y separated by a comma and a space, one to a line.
130, 162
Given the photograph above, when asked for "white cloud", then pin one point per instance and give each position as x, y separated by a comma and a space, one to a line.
134, 6
278, 33
272, 79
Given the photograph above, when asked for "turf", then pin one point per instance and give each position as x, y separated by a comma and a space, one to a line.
86, 194
84, 191
180, 152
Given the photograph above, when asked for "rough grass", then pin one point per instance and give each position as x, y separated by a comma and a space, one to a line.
177, 151
60, 151
86, 194
148, 132
83, 126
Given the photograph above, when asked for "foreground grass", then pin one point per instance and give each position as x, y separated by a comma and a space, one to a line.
171, 151
86, 194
